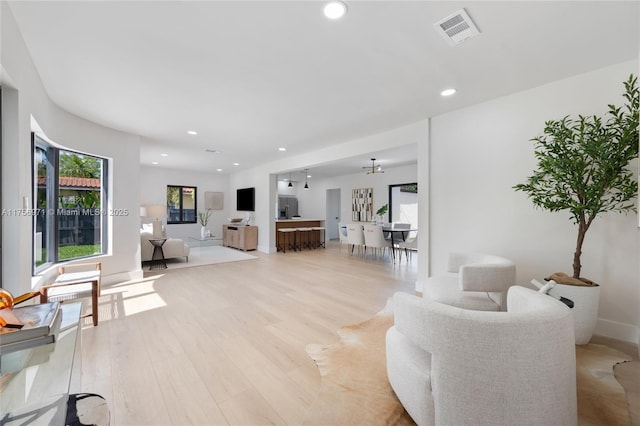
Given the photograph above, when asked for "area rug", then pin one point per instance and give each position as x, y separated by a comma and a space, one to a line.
210, 255
354, 389
601, 398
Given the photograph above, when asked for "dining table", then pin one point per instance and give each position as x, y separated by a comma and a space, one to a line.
397, 235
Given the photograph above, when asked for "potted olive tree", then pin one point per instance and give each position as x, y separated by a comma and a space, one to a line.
583, 168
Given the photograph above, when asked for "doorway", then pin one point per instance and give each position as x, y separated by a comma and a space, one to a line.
333, 214
403, 203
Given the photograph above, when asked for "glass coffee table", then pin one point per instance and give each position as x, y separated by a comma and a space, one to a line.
204, 242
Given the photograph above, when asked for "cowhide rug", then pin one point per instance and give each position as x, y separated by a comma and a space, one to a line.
354, 389
601, 398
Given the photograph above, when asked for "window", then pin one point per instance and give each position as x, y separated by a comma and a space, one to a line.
181, 204
69, 192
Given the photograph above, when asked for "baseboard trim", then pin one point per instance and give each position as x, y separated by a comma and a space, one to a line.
268, 250
121, 277
618, 330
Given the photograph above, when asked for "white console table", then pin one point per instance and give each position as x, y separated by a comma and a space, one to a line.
35, 383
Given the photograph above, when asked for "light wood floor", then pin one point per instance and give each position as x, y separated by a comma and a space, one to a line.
224, 344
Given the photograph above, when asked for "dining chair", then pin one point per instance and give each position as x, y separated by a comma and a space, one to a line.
408, 246
374, 239
400, 225
355, 236
342, 232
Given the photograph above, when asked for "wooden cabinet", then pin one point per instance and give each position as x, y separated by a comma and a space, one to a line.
240, 237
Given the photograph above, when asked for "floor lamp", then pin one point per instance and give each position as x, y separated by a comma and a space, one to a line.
157, 212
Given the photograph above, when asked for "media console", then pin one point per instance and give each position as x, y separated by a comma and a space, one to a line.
240, 237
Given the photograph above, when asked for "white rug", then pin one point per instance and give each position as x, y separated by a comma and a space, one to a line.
199, 256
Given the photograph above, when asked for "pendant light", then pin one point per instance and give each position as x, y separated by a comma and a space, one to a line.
375, 168
290, 184
306, 175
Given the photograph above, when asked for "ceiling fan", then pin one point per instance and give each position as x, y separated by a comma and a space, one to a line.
374, 168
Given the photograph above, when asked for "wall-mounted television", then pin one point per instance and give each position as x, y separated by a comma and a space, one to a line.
246, 199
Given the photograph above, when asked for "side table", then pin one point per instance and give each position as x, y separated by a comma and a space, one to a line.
157, 259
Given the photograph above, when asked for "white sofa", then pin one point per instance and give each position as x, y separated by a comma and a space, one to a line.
475, 281
173, 247
452, 366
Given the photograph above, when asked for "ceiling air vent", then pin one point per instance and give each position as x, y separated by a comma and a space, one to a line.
457, 27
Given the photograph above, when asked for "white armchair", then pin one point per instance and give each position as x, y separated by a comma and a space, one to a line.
451, 366
474, 281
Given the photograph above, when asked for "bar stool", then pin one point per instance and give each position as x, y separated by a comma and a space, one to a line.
305, 237
286, 235
320, 242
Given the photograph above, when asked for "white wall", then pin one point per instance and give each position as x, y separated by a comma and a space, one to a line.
480, 152
24, 97
153, 190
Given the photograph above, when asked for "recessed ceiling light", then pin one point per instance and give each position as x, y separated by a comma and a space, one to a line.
236, 164
154, 163
164, 155
213, 151
219, 170
192, 132
335, 10
448, 92
282, 149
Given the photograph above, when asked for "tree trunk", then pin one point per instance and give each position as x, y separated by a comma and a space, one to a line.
583, 226
577, 266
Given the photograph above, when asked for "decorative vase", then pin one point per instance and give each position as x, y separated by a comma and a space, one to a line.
203, 232
585, 308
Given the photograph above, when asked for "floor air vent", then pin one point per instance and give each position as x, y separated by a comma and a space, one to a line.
457, 27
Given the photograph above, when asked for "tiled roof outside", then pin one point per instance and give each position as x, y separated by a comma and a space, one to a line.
74, 182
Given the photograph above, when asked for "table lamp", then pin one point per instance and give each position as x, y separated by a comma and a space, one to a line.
143, 214
157, 212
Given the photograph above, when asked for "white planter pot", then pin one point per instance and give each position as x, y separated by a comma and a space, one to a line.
585, 308
203, 232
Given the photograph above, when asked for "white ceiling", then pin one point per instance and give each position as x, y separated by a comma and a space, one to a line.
254, 76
